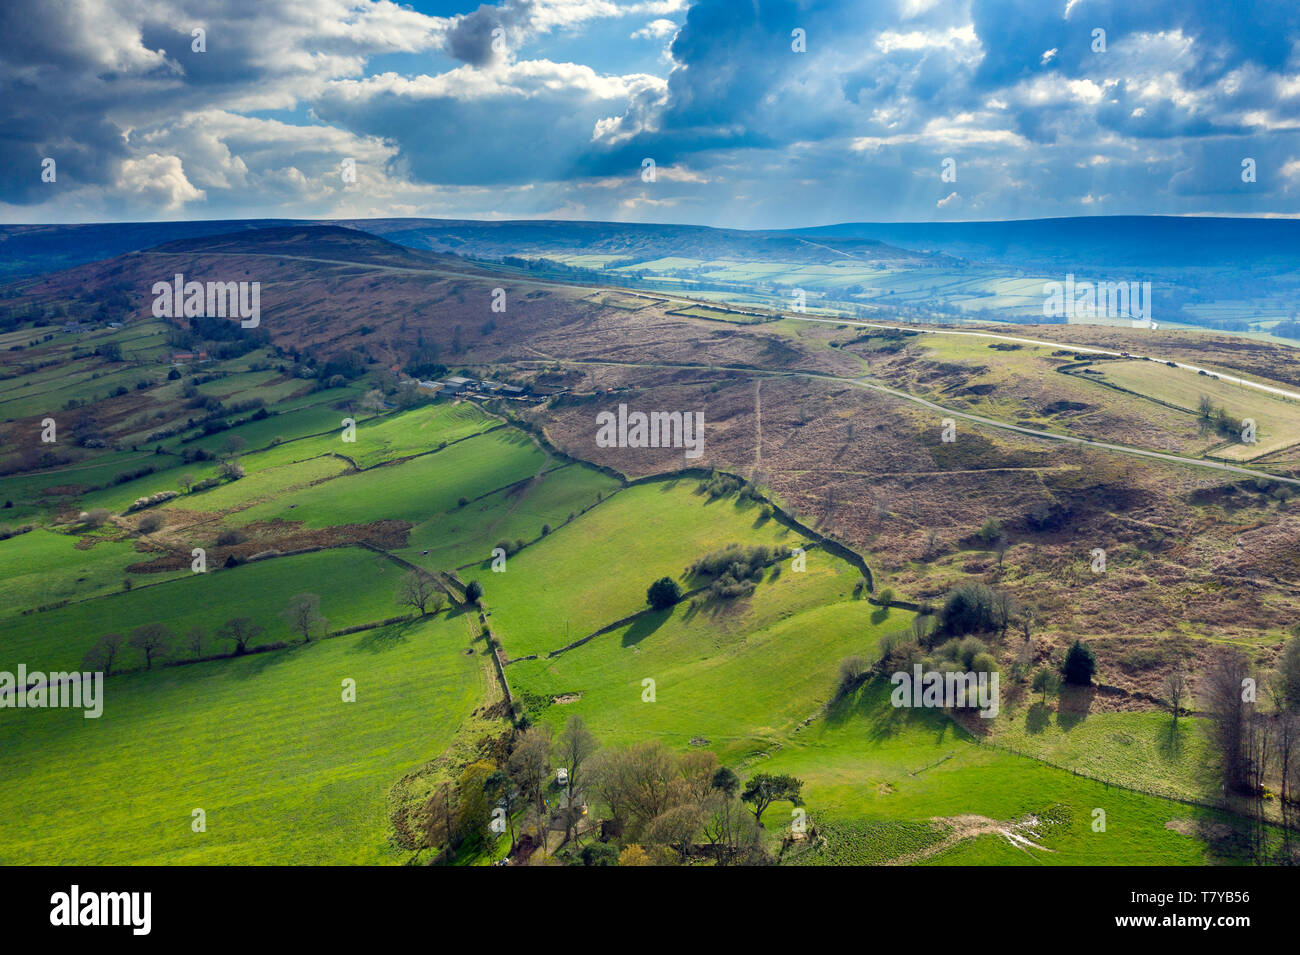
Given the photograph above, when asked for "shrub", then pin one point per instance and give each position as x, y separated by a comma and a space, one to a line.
886, 596
473, 591
968, 609
149, 523
990, 532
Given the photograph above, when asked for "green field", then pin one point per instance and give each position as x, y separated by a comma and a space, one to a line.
283, 768
608, 557
356, 586
877, 776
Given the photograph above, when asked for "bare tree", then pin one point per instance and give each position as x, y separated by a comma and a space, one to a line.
194, 641
104, 652
1222, 694
440, 816
1028, 618
417, 591
241, 631
1004, 609
530, 763
153, 640
1000, 548
1175, 688
573, 746
304, 616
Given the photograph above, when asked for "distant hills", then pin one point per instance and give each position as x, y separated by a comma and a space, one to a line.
1143, 242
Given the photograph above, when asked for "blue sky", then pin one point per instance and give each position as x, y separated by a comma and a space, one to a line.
549, 108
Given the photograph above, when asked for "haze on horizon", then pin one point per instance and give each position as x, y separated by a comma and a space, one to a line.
548, 109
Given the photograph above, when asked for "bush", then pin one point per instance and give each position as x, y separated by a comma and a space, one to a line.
663, 593
968, 609
149, 523
1080, 664
990, 532
886, 596
229, 538
473, 591
851, 671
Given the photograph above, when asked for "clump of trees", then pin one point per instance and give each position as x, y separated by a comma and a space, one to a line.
735, 570
638, 805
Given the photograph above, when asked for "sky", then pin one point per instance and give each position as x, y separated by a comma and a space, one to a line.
754, 113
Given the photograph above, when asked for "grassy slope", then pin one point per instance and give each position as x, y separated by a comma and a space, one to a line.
285, 770
355, 586
596, 570
738, 673
870, 766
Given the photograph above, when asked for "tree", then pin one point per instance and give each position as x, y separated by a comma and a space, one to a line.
663, 593
231, 470
851, 670
1222, 691
304, 616
1028, 617
678, 827
241, 631
886, 596
194, 640
726, 781
1046, 681
1080, 664
104, 652
763, 789
473, 592
233, 445
530, 763
1000, 548
152, 639
474, 802
634, 855
186, 482
440, 819
416, 591
503, 788
1175, 688
573, 746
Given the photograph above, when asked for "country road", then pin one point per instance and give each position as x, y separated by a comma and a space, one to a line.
862, 382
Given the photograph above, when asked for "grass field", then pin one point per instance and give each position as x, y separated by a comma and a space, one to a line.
1277, 420
874, 774
49, 567
595, 571
411, 490
783, 645
355, 586
282, 767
